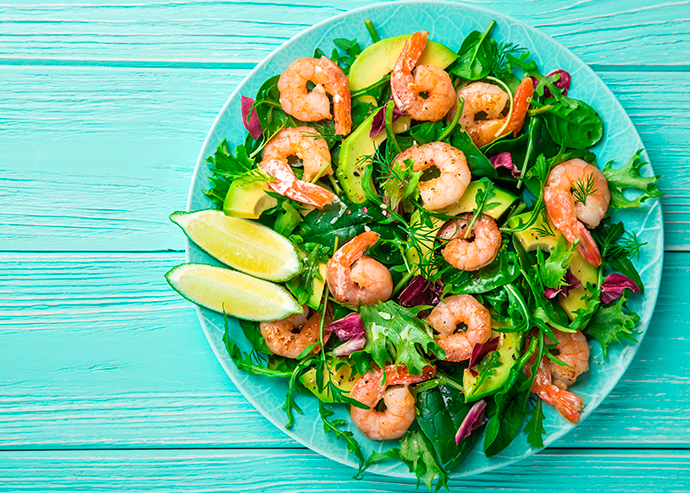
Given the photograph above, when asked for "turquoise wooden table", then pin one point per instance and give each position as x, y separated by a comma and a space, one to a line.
106, 379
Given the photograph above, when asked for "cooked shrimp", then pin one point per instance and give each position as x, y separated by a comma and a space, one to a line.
455, 310
573, 350
480, 247
407, 87
490, 101
566, 403
355, 279
400, 404
312, 106
292, 335
568, 211
449, 187
307, 144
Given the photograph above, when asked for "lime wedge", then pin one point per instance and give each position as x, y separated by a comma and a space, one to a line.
237, 294
241, 244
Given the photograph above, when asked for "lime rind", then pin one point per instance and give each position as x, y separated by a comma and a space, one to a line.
291, 263
242, 296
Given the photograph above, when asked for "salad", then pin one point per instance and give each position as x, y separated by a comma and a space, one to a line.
424, 236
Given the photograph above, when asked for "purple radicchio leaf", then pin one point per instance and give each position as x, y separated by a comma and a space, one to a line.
351, 329
253, 126
570, 282
505, 160
563, 83
472, 421
479, 350
421, 292
613, 286
355, 344
379, 122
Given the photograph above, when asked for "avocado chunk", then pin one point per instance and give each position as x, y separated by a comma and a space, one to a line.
248, 200
379, 59
354, 149
341, 374
533, 238
509, 347
467, 203
317, 286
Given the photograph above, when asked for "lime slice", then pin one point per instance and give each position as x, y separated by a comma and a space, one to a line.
242, 244
237, 294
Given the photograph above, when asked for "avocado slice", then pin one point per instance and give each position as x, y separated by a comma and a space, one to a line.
467, 203
532, 239
343, 377
509, 347
248, 200
317, 286
354, 149
379, 59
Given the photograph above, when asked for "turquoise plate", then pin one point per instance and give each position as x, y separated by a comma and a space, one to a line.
448, 23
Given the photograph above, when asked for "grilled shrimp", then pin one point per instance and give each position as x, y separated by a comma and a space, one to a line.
307, 144
449, 187
566, 403
455, 310
292, 335
400, 403
571, 212
408, 82
311, 106
355, 279
480, 247
573, 350
490, 100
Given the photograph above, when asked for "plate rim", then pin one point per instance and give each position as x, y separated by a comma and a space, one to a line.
201, 161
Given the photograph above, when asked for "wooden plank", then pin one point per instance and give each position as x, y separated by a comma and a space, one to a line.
96, 158
248, 470
231, 34
96, 351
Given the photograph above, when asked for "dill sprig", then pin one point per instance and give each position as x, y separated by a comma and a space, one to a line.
584, 188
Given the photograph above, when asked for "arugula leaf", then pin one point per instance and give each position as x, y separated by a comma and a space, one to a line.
244, 363
483, 195
503, 270
401, 183
352, 445
226, 168
287, 219
476, 55
396, 335
253, 335
552, 270
440, 412
628, 177
311, 262
535, 426
418, 454
610, 323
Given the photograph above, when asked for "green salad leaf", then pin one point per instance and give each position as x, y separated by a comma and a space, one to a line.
331, 426
611, 323
552, 269
503, 270
535, 426
476, 55
628, 177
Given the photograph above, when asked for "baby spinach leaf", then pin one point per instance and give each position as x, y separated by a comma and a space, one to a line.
575, 125
441, 411
610, 323
478, 163
253, 335
507, 419
503, 270
628, 177
476, 55
396, 335
418, 454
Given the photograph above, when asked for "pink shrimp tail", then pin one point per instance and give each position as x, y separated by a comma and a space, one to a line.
566, 403
402, 376
587, 246
412, 51
355, 248
286, 183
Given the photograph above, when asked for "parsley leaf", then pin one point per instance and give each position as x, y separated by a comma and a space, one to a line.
535, 426
552, 270
396, 335
610, 324
352, 445
628, 177
417, 453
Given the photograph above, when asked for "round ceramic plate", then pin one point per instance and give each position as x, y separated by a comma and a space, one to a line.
448, 23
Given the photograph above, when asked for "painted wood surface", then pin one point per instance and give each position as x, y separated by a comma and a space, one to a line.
301, 470
103, 111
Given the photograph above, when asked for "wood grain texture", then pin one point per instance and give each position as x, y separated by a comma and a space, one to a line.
304, 471
236, 33
96, 351
97, 158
